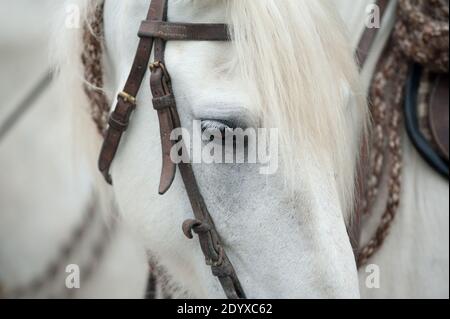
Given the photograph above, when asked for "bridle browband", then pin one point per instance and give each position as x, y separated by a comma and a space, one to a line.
153, 33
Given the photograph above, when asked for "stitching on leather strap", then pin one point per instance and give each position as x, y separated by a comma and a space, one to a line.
184, 31
164, 102
117, 123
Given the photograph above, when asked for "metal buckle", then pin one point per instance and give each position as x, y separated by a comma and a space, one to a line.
127, 98
159, 65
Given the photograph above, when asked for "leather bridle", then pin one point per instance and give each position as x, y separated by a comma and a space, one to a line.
153, 33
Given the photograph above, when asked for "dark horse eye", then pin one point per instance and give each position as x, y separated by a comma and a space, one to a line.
213, 127
220, 131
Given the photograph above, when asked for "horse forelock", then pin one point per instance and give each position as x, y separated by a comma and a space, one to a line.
299, 66
295, 59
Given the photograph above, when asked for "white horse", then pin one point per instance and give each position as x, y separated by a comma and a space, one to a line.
414, 260
290, 67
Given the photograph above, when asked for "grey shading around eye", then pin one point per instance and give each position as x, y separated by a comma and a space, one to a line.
225, 114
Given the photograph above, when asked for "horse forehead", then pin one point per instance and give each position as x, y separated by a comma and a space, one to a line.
211, 11
207, 11
122, 20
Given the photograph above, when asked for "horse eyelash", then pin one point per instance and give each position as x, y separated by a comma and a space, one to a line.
216, 125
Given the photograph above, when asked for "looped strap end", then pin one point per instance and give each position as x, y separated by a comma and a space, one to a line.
164, 102
196, 226
118, 124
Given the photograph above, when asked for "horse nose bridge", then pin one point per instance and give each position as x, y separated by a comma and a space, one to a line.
298, 277
289, 259
335, 267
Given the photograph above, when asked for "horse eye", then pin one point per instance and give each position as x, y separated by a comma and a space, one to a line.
216, 127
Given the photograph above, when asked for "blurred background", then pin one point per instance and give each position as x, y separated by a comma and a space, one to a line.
43, 198
24, 36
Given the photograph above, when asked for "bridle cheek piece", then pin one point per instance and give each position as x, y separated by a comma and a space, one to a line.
153, 33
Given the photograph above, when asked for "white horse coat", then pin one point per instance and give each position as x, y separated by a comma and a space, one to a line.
284, 241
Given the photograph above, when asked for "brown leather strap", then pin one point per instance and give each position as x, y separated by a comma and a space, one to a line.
164, 104
362, 52
203, 225
210, 242
184, 31
154, 32
369, 36
126, 102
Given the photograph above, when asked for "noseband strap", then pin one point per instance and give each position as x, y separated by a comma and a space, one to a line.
154, 32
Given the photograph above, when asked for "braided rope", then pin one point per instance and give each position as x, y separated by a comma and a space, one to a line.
421, 36
422, 33
388, 81
92, 59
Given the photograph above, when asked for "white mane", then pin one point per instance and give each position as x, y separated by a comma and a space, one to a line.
67, 47
295, 56
297, 63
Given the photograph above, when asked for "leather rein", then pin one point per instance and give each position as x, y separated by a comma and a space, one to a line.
153, 33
